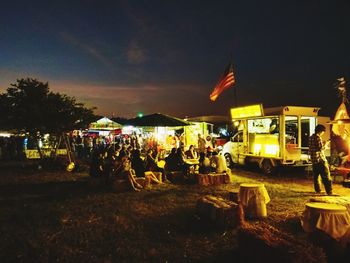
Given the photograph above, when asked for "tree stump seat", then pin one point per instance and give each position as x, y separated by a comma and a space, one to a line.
175, 176
219, 211
95, 182
212, 179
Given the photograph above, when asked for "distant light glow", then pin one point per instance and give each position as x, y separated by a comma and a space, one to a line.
236, 123
5, 134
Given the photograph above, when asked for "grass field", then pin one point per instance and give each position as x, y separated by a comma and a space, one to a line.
56, 217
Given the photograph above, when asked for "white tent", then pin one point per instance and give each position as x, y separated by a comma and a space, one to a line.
104, 124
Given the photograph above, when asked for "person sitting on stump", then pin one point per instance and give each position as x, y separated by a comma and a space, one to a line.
138, 166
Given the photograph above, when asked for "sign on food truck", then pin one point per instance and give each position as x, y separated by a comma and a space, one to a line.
271, 137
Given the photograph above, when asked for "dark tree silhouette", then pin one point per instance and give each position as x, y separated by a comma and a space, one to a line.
29, 106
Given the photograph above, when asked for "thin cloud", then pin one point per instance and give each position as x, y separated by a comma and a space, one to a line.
147, 33
136, 54
120, 94
68, 38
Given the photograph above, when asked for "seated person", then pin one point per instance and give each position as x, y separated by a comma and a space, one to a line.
138, 166
218, 163
204, 164
191, 153
96, 163
137, 163
181, 157
171, 161
123, 170
151, 165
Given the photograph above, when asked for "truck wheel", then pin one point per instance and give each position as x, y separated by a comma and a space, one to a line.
267, 167
229, 162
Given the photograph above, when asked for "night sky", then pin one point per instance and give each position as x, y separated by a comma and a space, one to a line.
149, 56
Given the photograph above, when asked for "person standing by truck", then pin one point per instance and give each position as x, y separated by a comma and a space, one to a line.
320, 165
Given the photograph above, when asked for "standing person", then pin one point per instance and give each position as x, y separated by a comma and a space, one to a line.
201, 143
319, 162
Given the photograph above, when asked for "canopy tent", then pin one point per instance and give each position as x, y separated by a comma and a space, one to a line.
104, 124
160, 127
157, 120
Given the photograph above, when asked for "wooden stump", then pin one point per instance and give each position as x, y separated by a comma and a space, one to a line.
175, 177
95, 182
264, 243
234, 196
120, 185
219, 211
212, 179
145, 182
158, 175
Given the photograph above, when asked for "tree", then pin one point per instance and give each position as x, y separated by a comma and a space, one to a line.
29, 106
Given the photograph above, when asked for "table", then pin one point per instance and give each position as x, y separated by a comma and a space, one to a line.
332, 219
191, 161
191, 165
253, 198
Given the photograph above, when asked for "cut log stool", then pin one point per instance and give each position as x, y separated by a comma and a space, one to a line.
219, 211
212, 179
175, 177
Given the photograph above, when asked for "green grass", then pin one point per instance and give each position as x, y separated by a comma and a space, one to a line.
56, 217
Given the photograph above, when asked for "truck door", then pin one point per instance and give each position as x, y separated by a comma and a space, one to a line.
237, 149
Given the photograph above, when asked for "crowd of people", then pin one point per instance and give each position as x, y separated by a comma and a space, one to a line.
128, 157
11, 148
123, 161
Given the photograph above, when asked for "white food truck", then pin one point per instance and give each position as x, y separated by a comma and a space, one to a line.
271, 137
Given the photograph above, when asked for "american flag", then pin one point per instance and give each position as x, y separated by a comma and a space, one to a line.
227, 80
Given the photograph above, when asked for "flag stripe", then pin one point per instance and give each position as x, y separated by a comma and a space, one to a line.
225, 82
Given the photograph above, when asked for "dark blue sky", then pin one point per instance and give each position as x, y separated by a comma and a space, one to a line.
166, 56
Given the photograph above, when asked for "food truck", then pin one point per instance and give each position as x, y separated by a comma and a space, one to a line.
271, 137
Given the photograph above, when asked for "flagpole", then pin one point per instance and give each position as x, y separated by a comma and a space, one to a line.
235, 88
235, 96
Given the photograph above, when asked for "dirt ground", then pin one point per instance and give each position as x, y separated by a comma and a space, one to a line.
55, 216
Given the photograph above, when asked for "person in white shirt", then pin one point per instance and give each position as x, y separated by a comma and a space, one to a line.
218, 162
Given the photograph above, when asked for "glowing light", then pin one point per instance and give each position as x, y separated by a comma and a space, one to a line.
257, 148
271, 149
267, 149
140, 114
236, 123
4, 134
247, 111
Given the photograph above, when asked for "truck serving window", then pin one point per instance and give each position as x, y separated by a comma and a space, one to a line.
263, 136
292, 130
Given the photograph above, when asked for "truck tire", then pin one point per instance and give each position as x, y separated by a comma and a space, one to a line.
228, 159
267, 167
